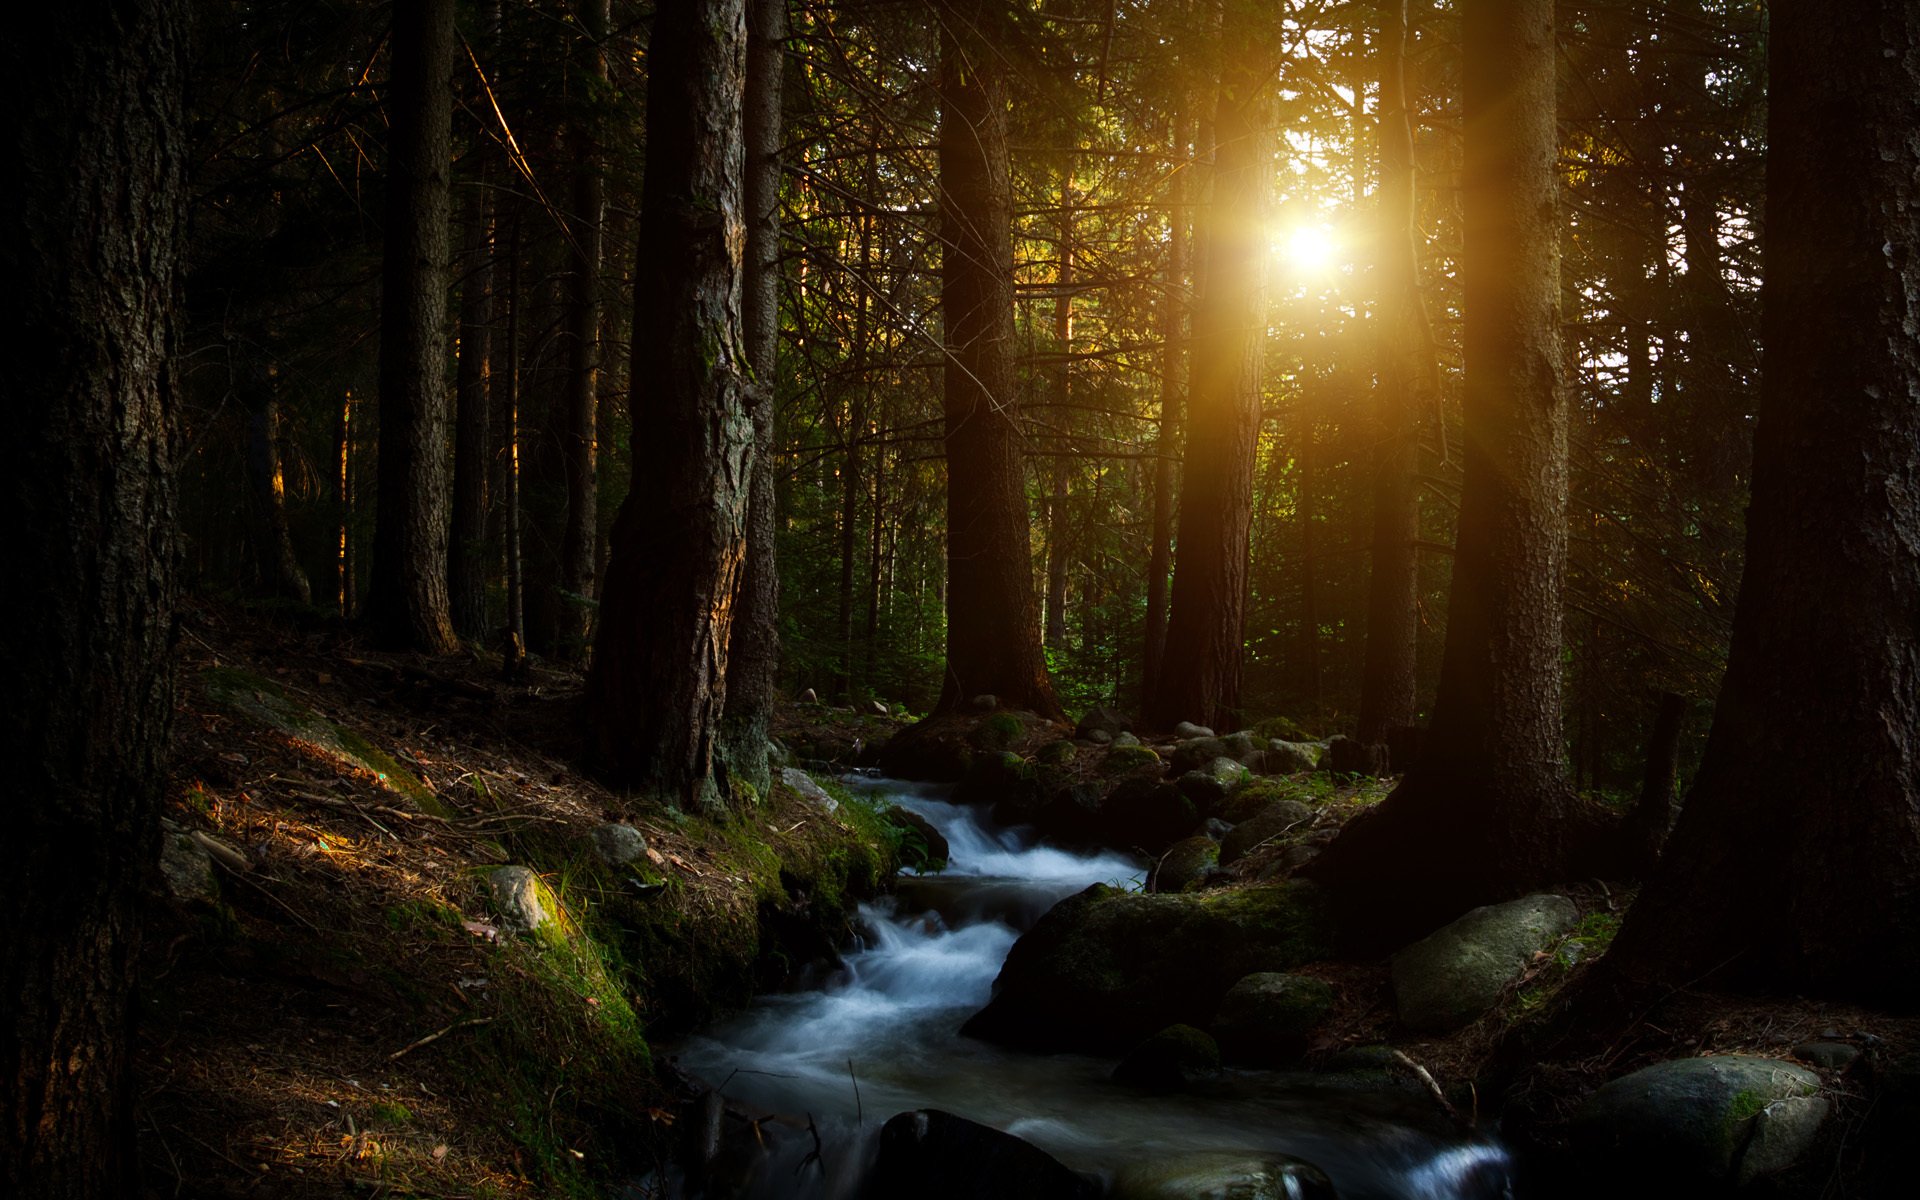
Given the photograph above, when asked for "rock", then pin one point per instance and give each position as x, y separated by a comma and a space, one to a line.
986, 702
521, 899
879, 708
1120, 759
1184, 865
935, 748
1453, 975
1176, 1058
1700, 1122
1280, 819
1828, 1056
778, 756
1209, 786
617, 843
1146, 814
1056, 754
185, 866
1252, 799
809, 697
1266, 1018
1221, 1175
997, 731
934, 1155
1287, 758
1124, 738
802, 783
1105, 968
1194, 753
1187, 729
1098, 737
1216, 829
922, 846
1346, 756
1110, 721
1240, 746
1005, 781
1069, 814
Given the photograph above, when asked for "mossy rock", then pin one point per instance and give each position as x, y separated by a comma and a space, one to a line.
1056, 754
1195, 753
996, 776
1266, 1018
1283, 819
1121, 760
1105, 968
1253, 798
1702, 1123
1175, 1058
997, 731
1146, 814
1285, 729
1185, 864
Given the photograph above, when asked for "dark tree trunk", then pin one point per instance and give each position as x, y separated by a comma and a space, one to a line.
1173, 397
1393, 586
657, 684
473, 420
993, 618
1059, 519
579, 443
90, 241
346, 560
1806, 812
407, 600
1647, 826
753, 650
1200, 671
1486, 812
275, 562
513, 650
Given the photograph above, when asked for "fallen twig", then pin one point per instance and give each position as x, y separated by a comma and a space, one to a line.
436, 1035
1433, 1087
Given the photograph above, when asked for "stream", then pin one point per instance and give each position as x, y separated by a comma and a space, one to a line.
879, 1037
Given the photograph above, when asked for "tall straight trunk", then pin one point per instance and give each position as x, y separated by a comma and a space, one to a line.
91, 239
1779, 853
1173, 395
753, 648
473, 420
993, 619
278, 567
1388, 680
1305, 506
1200, 671
1489, 788
346, 562
407, 604
657, 684
859, 395
579, 443
513, 651
1059, 532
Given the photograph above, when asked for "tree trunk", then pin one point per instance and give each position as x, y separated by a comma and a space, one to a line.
1059, 520
1173, 396
657, 684
346, 562
407, 601
1806, 811
993, 618
473, 419
1200, 671
275, 562
91, 236
1650, 822
1486, 812
513, 650
1393, 586
753, 650
579, 443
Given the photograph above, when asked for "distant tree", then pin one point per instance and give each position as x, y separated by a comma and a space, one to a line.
993, 615
1805, 815
91, 237
1200, 673
753, 653
656, 687
1487, 810
1173, 399
407, 599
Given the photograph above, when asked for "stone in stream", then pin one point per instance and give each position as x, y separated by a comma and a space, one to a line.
933, 1155
1222, 1175
1266, 1018
1172, 1060
1453, 975
1701, 1122
1146, 814
922, 847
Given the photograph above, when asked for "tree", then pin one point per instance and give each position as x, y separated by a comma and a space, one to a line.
1487, 811
993, 616
407, 600
90, 241
753, 651
1173, 398
1778, 851
656, 687
1201, 666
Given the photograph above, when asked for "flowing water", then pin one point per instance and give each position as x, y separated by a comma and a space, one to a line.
879, 1037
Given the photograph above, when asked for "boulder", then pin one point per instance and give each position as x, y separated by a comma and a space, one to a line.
1252, 799
802, 784
934, 1155
1241, 746
1187, 729
985, 702
1069, 814
617, 843
1221, 1175
879, 708
1145, 814
1453, 975
1105, 968
1110, 721
1123, 738
521, 899
1287, 758
1056, 754
922, 846
1000, 776
809, 697
1348, 756
1278, 820
1194, 753
1266, 1018
1172, 1060
1701, 1122
185, 866
1098, 737
1120, 758
1184, 865
1828, 1056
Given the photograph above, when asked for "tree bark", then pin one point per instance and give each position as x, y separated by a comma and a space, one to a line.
1806, 811
753, 649
278, 567
473, 418
993, 617
407, 599
1173, 397
1486, 812
657, 684
91, 237
1200, 672
1393, 587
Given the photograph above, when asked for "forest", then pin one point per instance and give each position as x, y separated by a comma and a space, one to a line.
1177, 599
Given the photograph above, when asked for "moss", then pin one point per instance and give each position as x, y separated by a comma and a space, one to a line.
1746, 1105
1286, 729
390, 1113
998, 731
1122, 759
421, 914
1055, 754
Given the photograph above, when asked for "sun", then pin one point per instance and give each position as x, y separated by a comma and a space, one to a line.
1310, 249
